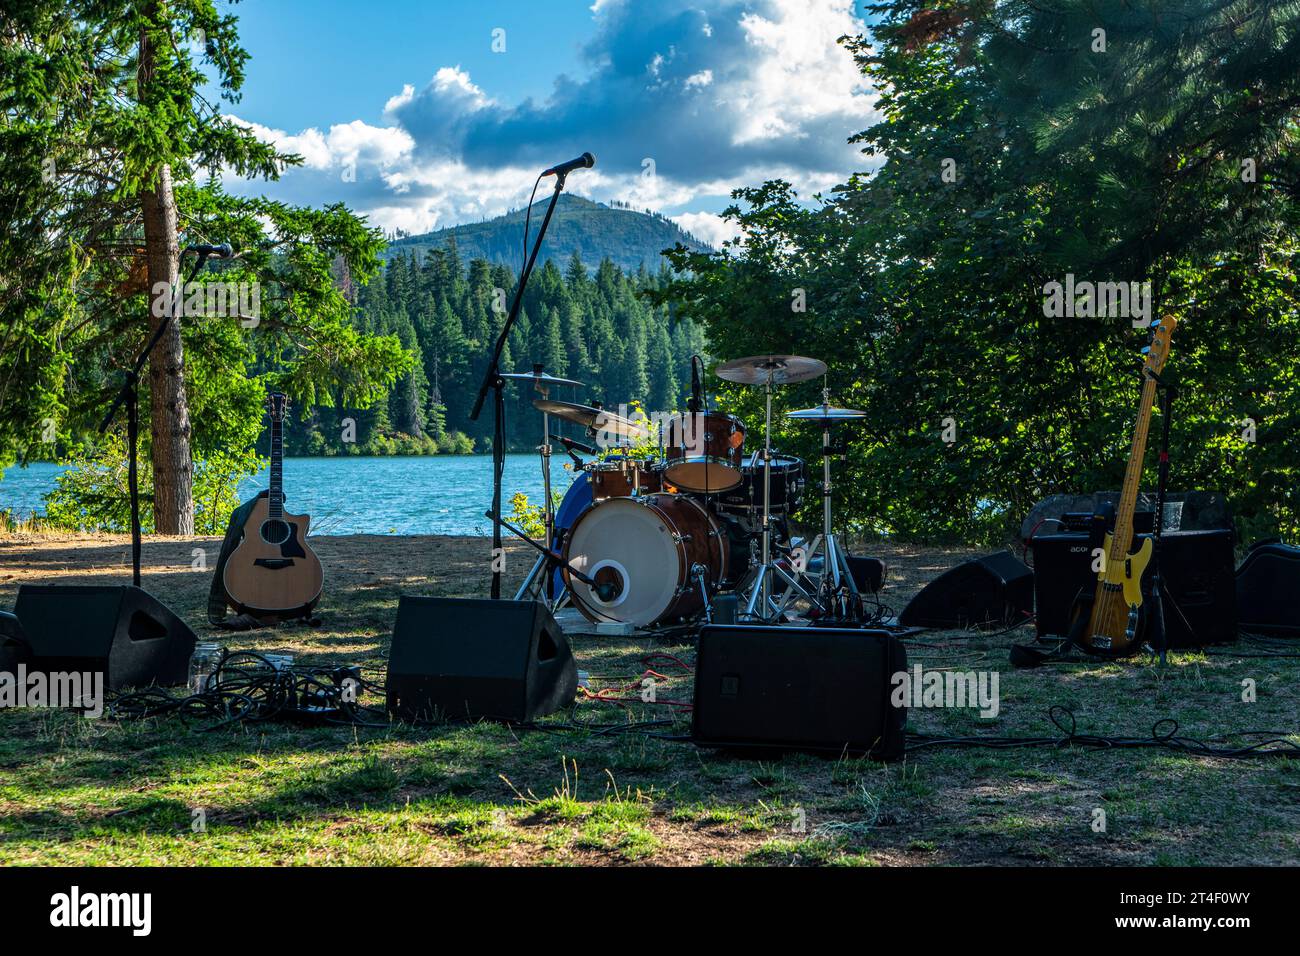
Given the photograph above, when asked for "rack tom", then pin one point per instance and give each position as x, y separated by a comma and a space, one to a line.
623, 478
704, 452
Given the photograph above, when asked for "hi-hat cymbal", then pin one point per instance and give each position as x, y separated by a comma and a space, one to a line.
778, 369
826, 413
540, 378
590, 417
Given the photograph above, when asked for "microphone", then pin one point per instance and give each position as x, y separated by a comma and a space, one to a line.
585, 161
223, 251
694, 404
571, 446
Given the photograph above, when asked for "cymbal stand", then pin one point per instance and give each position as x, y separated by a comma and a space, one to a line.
538, 581
760, 595
835, 563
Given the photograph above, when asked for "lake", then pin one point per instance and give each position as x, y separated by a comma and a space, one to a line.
440, 494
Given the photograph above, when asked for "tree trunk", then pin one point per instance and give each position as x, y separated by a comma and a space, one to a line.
173, 507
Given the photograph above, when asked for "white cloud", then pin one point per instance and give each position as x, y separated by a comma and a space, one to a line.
718, 93
708, 227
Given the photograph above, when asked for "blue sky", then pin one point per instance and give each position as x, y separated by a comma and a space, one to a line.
425, 114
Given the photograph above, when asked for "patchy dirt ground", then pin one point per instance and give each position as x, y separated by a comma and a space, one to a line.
593, 792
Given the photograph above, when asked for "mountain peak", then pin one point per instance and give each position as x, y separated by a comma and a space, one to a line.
627, 237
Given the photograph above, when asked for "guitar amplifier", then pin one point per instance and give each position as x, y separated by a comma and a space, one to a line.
1196, 566
1198, 569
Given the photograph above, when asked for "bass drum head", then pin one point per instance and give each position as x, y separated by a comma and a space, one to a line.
631, 546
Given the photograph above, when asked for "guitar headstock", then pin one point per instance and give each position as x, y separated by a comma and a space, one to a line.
1158, 350
277, 404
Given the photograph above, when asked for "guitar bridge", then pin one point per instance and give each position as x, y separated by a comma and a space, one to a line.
274, 564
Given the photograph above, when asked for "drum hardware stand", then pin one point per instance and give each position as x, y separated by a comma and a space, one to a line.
701, 575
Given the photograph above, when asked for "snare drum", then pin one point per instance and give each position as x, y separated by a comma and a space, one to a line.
747, 497
642, 553
704, 451
623, 478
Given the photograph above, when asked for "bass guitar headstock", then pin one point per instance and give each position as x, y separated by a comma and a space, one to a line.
1158, 350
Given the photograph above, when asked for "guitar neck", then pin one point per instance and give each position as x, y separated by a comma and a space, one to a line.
275, 497
1123, 537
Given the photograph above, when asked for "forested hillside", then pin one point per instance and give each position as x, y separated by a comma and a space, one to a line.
593, 326
629, 238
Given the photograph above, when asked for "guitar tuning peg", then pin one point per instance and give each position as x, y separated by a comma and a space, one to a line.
1155, 323
1146, 349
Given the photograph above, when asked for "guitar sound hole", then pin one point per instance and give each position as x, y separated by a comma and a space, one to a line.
275, 531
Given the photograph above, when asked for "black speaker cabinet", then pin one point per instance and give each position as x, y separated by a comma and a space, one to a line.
14, 649
798, 688
1197, 568
995, 589
466, 657
1268, 590
124, 632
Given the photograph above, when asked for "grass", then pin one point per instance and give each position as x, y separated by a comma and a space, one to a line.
167, 791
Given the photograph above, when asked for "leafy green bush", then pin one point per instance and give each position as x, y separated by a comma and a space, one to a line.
92, 495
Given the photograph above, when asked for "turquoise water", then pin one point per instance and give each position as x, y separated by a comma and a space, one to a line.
444, 494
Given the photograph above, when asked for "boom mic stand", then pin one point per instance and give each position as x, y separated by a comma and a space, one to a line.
493, 381
129, 395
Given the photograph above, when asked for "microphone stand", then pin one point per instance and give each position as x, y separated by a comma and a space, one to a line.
493, 381
129, 396
1158, 618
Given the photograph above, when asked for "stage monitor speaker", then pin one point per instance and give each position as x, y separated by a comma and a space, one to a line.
995, 589
1268, 590
121, 631
801, 689
469, 657
1196, 566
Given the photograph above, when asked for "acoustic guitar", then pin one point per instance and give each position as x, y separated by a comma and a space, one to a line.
273, 571
1116, 612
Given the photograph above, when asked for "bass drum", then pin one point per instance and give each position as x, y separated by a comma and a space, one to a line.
640, 552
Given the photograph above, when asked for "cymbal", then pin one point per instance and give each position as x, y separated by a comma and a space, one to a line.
826, 413
782, 369
590, 417
540, 378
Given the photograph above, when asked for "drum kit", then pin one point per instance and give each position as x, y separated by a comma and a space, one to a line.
655, 538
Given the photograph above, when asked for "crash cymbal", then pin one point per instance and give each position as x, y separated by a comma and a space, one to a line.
826, 413
597, 419
779, 369
540, 378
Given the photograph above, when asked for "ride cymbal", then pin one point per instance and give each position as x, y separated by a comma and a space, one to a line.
778, 369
